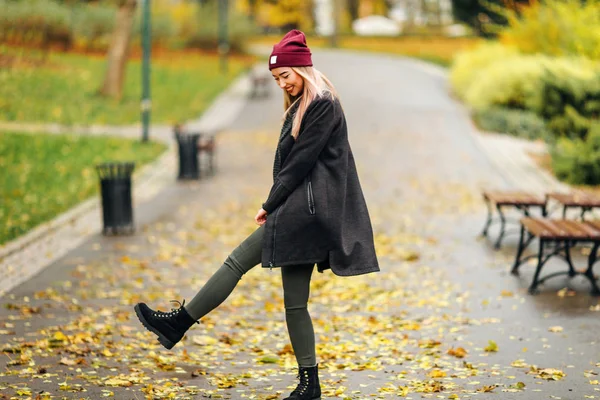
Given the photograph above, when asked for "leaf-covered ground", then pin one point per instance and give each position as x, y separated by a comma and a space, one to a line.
443, 319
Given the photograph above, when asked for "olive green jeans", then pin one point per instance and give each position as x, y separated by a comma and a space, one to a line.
296, 289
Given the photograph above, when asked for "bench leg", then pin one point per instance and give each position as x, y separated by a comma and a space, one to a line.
502, 227
572, 271
522, 245
536, 276
589, 272
488, 222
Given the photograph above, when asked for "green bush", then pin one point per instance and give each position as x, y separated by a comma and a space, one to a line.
570, 103
525, 124
206, 36
93, 25
90, 26
577, 161
34, 21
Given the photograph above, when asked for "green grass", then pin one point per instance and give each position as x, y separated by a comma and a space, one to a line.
44, 175
64, 88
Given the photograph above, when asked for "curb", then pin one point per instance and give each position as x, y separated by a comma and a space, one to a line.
24, 257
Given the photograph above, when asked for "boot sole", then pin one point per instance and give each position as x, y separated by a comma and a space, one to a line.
161, 338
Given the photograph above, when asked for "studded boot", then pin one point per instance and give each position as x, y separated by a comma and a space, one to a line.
309, 387
169, 327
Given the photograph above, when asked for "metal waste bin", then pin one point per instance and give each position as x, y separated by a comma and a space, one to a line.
115, 187
187, 144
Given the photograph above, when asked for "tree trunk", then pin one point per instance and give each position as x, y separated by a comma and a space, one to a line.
353, 7
119, 50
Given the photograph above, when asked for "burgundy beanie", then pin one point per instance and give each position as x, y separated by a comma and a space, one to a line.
291, 51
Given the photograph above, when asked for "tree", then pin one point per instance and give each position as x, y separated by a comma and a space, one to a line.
479, 13
353, 9
118, 52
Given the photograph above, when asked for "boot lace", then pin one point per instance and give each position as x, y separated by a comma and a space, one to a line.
174, 311
304, 382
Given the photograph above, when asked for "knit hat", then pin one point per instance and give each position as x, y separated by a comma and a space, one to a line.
291, 51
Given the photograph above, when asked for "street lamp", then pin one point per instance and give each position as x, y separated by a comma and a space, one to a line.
223, 41
146, 103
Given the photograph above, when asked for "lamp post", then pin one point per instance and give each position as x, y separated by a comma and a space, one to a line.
223, 40
333, 39
146, 103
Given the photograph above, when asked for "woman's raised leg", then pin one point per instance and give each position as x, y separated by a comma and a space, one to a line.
170, 327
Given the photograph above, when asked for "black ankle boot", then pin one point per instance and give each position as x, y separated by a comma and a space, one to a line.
169, 327
309, 387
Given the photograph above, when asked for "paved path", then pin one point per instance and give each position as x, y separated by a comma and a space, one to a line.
399, 332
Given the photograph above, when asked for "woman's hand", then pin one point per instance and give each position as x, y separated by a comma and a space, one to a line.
261, 217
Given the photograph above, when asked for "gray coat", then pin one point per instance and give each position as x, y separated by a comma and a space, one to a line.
316, 209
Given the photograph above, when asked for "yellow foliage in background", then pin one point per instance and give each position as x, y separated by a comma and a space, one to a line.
183, 14
515, 81
556, 27
280, 12
468, 64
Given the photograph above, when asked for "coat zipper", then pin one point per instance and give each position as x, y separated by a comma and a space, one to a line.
272, 262
311, 199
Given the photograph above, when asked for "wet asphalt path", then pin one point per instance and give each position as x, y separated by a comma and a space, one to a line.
441, 286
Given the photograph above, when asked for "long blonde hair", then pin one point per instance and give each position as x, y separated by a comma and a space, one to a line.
315, 85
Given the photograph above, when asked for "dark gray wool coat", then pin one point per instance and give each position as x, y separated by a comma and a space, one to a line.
316, 211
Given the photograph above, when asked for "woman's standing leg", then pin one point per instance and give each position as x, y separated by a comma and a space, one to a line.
296, 291
170, 327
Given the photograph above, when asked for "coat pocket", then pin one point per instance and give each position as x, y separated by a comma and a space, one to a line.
311, 198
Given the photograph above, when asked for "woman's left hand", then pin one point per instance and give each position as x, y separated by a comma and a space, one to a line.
261, 217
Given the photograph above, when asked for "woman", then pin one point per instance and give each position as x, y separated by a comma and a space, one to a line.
315, 214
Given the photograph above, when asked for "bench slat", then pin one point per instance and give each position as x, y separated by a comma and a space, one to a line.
561, 228
577, 199
514, 198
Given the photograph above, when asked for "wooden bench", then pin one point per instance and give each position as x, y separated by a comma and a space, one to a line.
556, 238
522, 201
581, 200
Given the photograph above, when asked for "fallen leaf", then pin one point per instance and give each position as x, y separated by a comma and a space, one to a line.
491, 347
459, 352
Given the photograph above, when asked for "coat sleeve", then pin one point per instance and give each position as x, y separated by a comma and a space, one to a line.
317, 125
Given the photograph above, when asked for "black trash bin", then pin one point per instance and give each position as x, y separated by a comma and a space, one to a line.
115, 186
187, 144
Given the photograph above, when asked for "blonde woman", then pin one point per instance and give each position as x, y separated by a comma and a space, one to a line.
315, 213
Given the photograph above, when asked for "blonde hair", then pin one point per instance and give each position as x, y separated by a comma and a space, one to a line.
316, 85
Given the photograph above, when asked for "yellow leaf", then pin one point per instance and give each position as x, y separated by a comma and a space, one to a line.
486, 389
67, 361
491, 347
204, 340
268, 359
555, 329
459, 352
551, 374
117, 382
436, 373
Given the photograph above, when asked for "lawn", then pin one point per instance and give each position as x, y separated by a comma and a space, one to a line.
436, 49
43, 175
63, 89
